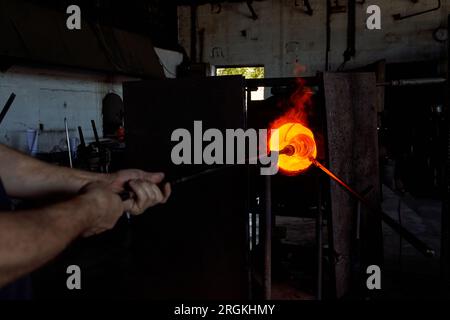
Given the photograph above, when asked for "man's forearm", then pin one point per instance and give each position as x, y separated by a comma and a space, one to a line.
25, 177
29, 239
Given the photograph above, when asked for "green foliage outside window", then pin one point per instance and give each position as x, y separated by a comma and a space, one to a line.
246, 72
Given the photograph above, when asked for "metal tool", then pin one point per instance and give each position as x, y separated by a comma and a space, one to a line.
421, 246
127, 194
94, 128
104, 155
82, 141
69, 148
8, 104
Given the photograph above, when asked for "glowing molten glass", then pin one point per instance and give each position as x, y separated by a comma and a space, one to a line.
297, 146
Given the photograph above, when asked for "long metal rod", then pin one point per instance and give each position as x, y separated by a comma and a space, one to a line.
94, 129
69, 149
82, 141
319, 240
273, 82
412, 82
268, 239
340, 181
421, 246
254, 231
313, 82
406, 234
199, 175
251, 232
351, 31
8, 104
328, 36
125, 195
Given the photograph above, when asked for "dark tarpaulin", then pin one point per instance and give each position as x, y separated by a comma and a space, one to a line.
31, 34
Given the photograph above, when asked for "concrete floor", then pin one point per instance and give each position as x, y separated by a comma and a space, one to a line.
406, 273
294, 259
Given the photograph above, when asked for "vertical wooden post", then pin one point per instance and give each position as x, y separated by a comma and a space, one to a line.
351, 112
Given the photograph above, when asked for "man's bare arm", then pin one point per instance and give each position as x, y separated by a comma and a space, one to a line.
29, 239
26, 177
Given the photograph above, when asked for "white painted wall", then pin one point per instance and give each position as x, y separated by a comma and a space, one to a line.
283, 35
47, 96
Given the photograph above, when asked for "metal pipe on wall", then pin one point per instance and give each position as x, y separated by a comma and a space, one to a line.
319, 240
412, 82
351, 31
193, 33
268, 239
328, 36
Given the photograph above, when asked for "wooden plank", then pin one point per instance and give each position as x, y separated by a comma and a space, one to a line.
351, 112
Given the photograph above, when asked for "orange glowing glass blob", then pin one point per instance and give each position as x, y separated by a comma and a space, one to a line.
296, 135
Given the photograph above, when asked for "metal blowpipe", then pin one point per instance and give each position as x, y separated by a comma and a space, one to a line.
126, 195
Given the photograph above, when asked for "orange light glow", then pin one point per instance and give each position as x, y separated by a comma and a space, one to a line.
299, 137
294, 133
295, 141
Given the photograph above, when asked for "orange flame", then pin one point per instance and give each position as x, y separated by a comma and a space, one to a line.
293, 132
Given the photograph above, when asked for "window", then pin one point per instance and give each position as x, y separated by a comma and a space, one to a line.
248, 73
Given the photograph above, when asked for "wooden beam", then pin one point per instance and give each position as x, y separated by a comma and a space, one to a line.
351, 112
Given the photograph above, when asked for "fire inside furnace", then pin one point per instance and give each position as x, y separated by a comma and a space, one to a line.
296, 146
